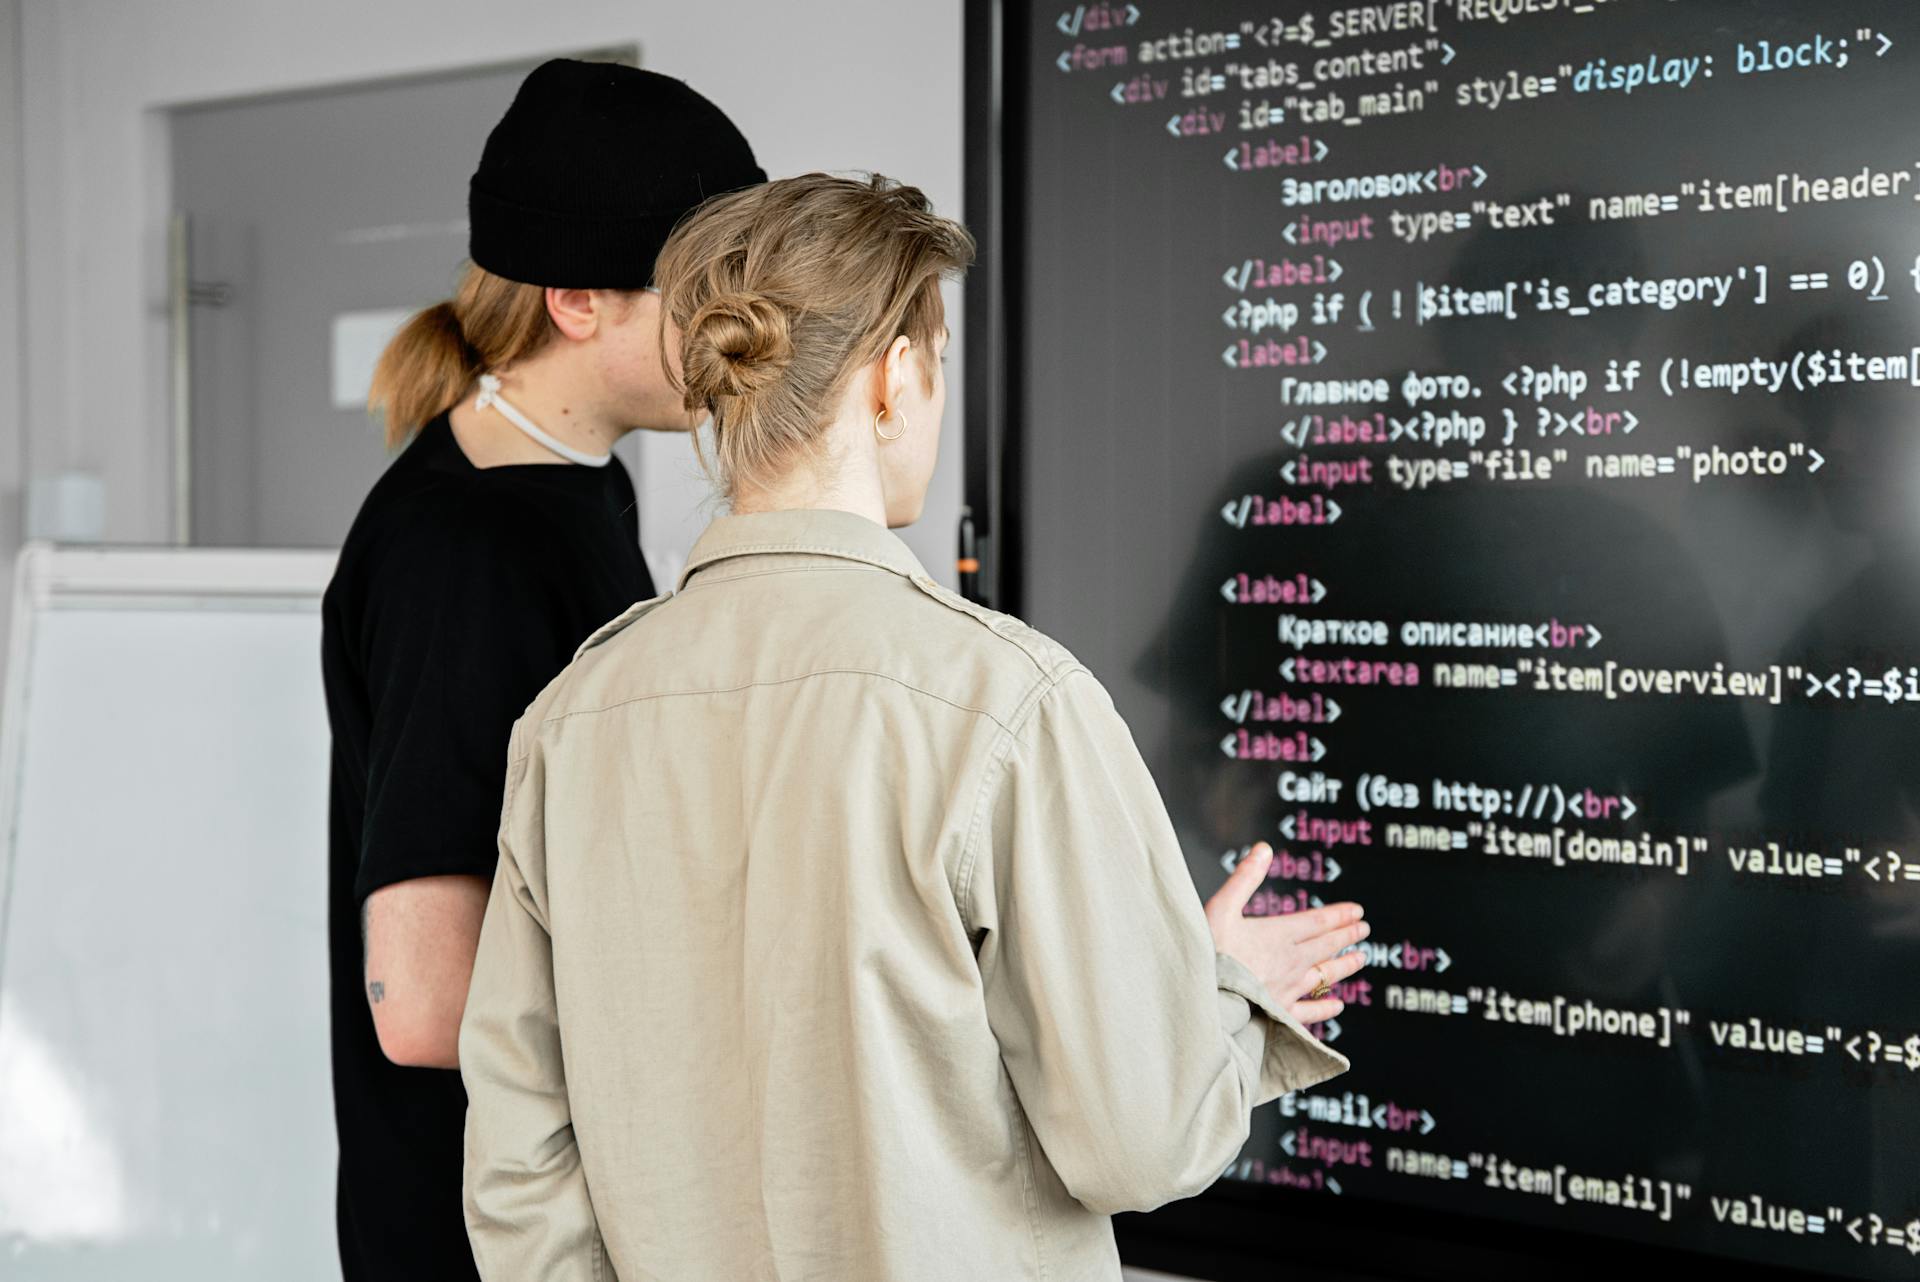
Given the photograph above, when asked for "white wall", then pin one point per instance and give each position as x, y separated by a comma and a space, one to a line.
814, 84
12, 369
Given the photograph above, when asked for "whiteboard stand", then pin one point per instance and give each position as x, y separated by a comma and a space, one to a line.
165, 1102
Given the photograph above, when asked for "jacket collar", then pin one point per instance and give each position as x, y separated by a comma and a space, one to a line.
803, 532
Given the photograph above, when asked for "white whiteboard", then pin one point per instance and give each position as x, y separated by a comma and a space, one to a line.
165, 1100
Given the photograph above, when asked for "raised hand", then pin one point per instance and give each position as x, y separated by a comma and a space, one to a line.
1296, 955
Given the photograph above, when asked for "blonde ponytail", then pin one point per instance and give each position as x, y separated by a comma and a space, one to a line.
488, 324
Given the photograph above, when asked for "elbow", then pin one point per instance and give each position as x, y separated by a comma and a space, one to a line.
418, 1039
1153, 1165
1106, 1196
1111, 1192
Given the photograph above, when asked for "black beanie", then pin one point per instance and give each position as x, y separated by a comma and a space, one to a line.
590, 168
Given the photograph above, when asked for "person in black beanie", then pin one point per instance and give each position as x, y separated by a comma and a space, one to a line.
500, 538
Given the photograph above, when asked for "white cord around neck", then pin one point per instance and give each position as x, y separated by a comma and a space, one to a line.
490, 395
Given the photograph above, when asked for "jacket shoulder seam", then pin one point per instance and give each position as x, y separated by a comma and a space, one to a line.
621, 622
715, 580
990, 780
992, 620
780, 681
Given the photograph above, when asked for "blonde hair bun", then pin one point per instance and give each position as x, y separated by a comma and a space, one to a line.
781, 292
736, 344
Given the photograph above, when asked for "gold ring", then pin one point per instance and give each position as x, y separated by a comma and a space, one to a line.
1320, 988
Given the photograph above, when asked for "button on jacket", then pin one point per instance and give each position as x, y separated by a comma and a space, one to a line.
839, 933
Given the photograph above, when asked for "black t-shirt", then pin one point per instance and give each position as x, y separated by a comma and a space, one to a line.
460, 593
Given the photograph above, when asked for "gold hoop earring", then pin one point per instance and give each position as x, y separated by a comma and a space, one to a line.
881, 417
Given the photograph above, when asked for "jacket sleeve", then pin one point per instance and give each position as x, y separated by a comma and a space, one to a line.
527, 1208
1137, 1051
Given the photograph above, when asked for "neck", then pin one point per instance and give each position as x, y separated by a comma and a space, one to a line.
845, 479
543, 393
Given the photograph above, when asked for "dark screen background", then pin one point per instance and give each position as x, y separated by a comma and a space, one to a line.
1134, 432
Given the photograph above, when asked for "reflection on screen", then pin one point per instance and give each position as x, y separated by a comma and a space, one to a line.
1479, 445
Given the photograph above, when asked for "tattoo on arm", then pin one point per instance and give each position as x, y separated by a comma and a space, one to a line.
376, 991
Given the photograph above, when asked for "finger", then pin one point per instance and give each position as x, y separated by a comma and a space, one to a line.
1246, 878
1318, 921
1338, 941
1313, 947
1327, 973
1331, 970
1342, 967
1312, 983
1317, 1012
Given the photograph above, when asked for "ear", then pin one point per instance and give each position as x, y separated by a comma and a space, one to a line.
575, 312
895, 369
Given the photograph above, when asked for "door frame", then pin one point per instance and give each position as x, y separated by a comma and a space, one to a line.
169, 265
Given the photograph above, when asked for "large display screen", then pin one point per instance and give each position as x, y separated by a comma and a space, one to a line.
1478, 445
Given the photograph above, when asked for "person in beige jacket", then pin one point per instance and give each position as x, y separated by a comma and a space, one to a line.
839, 931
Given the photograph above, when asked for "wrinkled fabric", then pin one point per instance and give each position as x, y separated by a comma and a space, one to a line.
839, 932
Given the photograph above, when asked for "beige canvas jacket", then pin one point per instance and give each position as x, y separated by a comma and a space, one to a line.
839, 933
